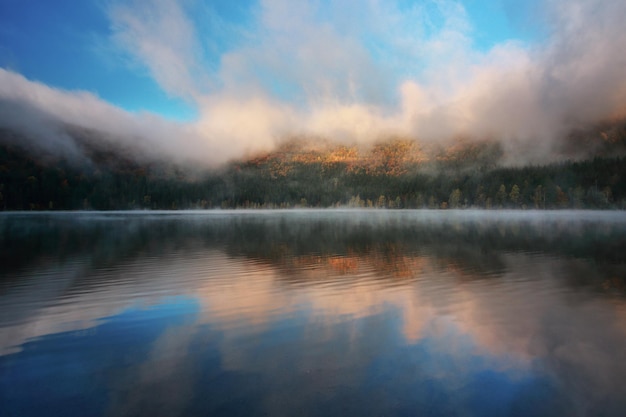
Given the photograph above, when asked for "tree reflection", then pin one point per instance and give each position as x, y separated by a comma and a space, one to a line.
393, 244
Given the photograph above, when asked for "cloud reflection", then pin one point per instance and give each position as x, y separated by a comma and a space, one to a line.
372, 293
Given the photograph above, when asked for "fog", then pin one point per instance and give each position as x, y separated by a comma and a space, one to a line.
325, 70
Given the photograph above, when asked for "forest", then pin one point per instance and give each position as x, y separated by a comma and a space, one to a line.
396, 174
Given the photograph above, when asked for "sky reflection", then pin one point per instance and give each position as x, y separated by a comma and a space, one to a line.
159, 361
231, 316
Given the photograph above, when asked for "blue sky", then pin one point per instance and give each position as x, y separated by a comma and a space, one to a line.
64, 44
218, 79
67, 44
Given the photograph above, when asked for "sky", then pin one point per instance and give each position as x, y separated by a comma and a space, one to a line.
215, 80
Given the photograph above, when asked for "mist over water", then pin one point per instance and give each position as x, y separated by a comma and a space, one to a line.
313, 312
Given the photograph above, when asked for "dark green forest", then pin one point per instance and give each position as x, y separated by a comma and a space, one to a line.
386, 178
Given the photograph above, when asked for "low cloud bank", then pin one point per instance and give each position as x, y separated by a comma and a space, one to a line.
312, 69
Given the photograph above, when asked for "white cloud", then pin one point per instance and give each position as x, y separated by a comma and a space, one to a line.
44, 113
355, 74
160, 36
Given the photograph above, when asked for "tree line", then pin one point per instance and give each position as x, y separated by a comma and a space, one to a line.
29, 183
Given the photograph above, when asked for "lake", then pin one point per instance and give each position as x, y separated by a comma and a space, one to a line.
313, 313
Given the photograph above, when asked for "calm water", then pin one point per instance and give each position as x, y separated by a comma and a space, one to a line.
313, 313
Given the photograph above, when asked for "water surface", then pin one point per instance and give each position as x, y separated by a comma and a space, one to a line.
309, 313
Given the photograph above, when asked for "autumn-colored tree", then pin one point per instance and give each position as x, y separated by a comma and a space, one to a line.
539, 197
454, 200
501, 196
514, 195
561, 198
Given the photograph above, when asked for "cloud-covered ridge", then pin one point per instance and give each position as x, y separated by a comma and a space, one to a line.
324, 69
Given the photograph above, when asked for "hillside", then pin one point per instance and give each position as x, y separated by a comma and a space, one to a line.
397, 173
